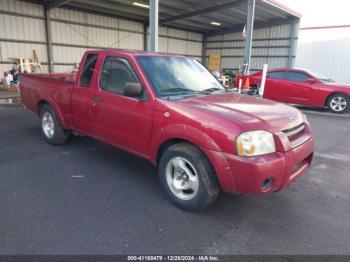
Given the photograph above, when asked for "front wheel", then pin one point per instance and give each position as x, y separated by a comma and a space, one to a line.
338, 103
51, 129
187, 177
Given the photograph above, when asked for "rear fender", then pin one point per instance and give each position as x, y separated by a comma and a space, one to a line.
56, 109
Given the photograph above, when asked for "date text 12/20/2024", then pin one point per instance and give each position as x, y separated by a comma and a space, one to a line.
173, 258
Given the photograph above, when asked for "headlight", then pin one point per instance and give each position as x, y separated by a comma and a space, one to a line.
255, 143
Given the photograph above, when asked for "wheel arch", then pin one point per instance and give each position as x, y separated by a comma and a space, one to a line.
54, 107
177, 133
216, 160
325, 103
169, 142
40, 104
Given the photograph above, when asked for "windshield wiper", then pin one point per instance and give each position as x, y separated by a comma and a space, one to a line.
213, 90
179, 90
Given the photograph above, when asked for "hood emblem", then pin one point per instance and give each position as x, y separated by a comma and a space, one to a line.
166, 114
291, 117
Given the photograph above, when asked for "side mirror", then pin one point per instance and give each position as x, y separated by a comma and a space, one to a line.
310, 81
134, 90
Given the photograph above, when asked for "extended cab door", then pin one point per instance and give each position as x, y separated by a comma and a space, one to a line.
300, 90
117, 119
276, 87
82, 92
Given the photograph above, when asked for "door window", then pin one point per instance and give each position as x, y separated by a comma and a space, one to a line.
297, 77
88, 70
277, 75
116, 74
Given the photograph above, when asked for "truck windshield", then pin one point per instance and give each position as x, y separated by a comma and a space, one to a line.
179, 76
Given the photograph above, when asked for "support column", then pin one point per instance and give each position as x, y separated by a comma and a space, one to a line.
249, 34
204, 50
293, 42
48, 39
145, 36
153, 25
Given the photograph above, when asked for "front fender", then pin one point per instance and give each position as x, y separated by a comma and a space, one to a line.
200, 139
180, 131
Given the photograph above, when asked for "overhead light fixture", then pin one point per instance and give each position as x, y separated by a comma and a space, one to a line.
215, 23
139, 4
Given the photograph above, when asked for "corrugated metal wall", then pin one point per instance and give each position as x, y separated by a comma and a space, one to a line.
270, 46
73, 32
180, 42
326, 51
22, 29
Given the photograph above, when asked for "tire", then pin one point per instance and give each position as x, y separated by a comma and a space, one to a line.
338, 103
198, 178
51, 129
254, 90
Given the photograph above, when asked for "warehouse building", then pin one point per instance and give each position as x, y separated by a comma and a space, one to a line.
60, 30
325, 50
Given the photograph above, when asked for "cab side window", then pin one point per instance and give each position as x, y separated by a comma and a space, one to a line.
116, 74
88, 70
277, 75
297, 77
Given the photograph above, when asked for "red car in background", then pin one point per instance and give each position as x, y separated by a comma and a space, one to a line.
300, 86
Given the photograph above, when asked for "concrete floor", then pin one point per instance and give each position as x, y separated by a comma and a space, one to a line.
87, 197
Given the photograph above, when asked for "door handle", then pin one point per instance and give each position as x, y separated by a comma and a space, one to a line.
96, 100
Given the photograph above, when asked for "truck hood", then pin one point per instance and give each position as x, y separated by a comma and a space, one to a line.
249, 112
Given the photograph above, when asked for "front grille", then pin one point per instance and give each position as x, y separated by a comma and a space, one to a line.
297, 135
295, 130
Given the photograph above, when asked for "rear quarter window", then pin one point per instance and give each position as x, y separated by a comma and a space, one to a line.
88, 70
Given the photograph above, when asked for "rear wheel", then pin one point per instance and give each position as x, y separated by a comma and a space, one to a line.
51, 129
187, 177
338, 103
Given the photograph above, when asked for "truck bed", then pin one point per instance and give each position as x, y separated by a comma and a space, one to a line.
56, 89
70, 77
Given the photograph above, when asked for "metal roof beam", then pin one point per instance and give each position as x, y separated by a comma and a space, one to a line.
117, 7
57, 3
239, 28
201, 12
188, 26
117, 14
166, 8
104, 11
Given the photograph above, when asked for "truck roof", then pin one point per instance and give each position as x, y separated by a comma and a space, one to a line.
289, 69
133, 52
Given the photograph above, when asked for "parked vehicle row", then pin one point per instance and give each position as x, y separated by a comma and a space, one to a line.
170, 110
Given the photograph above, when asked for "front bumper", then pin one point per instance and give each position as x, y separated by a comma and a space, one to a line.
247, 174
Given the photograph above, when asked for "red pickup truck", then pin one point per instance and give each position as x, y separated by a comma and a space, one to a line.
170, 110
